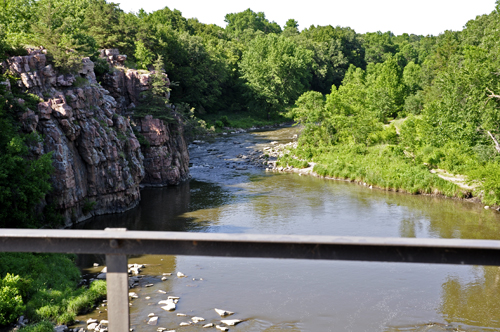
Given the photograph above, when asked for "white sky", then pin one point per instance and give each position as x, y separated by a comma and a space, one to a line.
421, 17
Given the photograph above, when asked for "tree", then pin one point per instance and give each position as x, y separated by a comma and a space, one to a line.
385, 90
378, 46
167, 17
143, 56
24, 179
291, 28
411, 78
154, 101
276, 70
248, 19
334, 48
61, 35
200, 73
102, 21
16, 18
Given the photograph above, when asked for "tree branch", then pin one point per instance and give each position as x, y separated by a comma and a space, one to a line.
492, 94
497, 146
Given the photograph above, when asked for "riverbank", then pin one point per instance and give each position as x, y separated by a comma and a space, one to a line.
41, 289
400, 176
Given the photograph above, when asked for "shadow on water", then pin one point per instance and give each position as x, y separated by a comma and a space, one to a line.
162, 209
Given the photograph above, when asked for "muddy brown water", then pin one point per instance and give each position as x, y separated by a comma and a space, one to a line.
302, 295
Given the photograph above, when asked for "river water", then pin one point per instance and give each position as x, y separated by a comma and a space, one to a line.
230, 195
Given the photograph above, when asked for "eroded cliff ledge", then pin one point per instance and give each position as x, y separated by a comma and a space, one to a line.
99, 163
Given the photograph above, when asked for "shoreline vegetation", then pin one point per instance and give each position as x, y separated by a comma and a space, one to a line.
376, 108
431, 182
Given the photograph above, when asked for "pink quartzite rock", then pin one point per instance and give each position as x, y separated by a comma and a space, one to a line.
166, 160
96, 155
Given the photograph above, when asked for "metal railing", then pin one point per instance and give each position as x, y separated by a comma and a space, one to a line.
117, 243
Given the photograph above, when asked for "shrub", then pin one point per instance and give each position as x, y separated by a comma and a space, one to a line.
219, 124
225, 121
11, 302
88, 206
80, 81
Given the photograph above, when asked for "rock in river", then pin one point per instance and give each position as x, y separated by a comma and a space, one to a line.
231, 322
223, 313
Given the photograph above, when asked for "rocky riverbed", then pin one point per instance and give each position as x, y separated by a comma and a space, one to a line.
150, 289
229, 157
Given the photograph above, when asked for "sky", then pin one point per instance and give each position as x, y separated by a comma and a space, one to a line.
423, 17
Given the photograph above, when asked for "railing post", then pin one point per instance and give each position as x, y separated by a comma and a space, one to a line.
117, 290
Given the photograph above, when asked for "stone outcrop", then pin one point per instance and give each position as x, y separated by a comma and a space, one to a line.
166, 159
99, 164
126, 85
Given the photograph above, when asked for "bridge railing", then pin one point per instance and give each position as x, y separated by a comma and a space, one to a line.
117, 243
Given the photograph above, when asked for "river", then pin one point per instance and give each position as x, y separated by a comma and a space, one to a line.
230, 195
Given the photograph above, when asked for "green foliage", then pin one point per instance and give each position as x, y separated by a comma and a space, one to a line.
382, 166
102, 23
239, 22
11, 302
276, 71
225, 121
379, 46
334, 50
47, 284
101, 68
43, 326
142, 140
385, 91
414, 104
59, 32
80, 81
88, 206
219, 124
291, 28
85, 300
155, 100
23, 180
143, 56
16, 17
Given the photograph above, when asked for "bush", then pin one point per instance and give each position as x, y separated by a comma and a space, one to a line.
219, 124
48, 286
11, 302
88, 206
101, 68
225, 121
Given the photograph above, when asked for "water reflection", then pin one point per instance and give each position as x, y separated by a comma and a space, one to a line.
475, 302
277, 295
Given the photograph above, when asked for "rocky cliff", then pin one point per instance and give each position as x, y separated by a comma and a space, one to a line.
166, 158
99, 163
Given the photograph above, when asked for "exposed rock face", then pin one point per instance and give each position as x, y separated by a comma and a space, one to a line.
166, 160
98, 160
126, 85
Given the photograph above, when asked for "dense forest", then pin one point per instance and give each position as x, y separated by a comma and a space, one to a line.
375, 107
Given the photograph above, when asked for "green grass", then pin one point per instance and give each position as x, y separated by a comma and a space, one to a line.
384, 166
49, 286
43, 326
